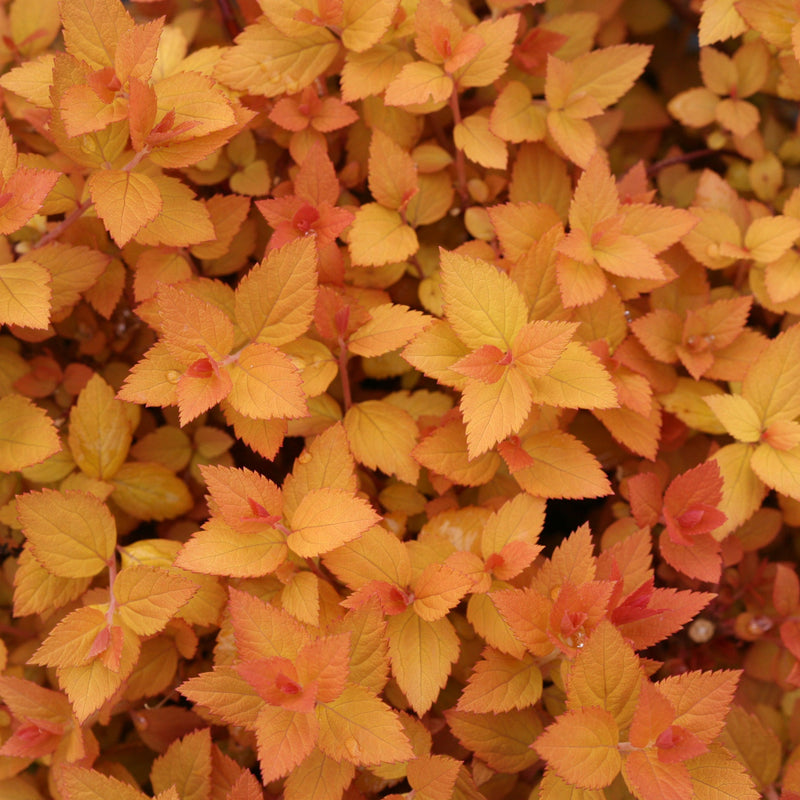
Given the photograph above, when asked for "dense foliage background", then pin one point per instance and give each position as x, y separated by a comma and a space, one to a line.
399, 398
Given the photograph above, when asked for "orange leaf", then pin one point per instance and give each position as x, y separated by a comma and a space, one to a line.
79, 783
648, 777
500, 682
284, 739
701, 700
382, 436
560, 466
125, 201
581, 747
72, 534
186, 765
218, 549
266, 384
99, 430
25, 295
148, 598
327, 518
275, 299
437, 590
379, 236
502, 740
605, 674
27, 434
360, 728
422, 655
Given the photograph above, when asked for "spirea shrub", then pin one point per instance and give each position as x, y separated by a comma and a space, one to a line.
400, 399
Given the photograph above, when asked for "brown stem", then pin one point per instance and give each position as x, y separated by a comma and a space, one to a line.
72, 217
685, 158
229, 18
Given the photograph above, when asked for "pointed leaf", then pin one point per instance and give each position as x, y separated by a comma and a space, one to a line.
72, 534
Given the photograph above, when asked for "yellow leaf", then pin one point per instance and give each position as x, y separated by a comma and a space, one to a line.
718, 775
266, 384
89, 685
147, 597
445, 451
743, 490
481, 303
753, 744
79, 783
93, 28
768, 238
192, 100
285, 738
150, 491
25, 295
501, 740
720, 20
365, 22
27, 434
392, 173
73, 270
737, 415
490, 62
778, 469
327, 518
576, 137
360, 728
364, 74
606, 674
376, 555
379, 236
319, 777
182, 221
125, 201
772, 384
99, 430
390, 326
153, 380
581, 746
437, 590
500, 682
72, 534
264, 61
32, 80
515, 118
218, 549
422, 655
326, 462
419, 82
38, 591
479, 143
186, 765
435, 350
608, 73
274, 301
695, 108
576, 380
494, 411
382, 436
224, 691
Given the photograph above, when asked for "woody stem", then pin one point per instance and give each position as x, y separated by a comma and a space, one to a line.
72, 217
